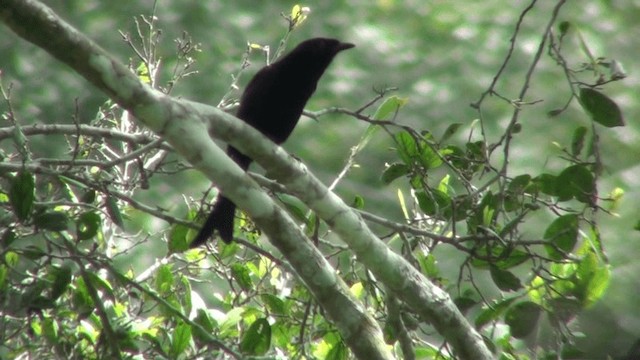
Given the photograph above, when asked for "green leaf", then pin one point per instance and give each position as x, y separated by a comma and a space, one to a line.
61, 280
8, 237
294, 206
577, 141
358, 202
88, 197
564, 27
522, 318
22, 195
456, 156
429, 158
519, 183
204, 320
164, 279
180, 340
100, 283
434, 203
544, 183
257, 339
601, 108
275, 304
564, 309
51, 220
492, 312
114, 211
50, 328
338, 352
592, 279
501, 257
389, 107
476, 150
393, 172
554, 112
81, 299
178, 239
450, 131
504, 279
465, 302
563, 233
241, 274
406, 147
87, 225
576, 181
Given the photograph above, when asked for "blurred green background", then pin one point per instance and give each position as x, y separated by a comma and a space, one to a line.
440, 54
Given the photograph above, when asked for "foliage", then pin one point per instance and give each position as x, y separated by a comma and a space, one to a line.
68, 288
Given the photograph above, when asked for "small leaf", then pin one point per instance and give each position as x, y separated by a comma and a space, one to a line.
88, 197
554, 112
87, 225
81, 299
143, 73
114, 211
407, 148
180, 340
358, 202
294, 206
241, 275
178, 239
428, 266
563, 233
61, 280
393, 172
22, 195
275, 304
592, 279
504, 279
429, 158
450, 131
601, 108
564, 309
544, 183
577, 142
522, 318
576, 181
434, 203
257, 339
8, 237
164, 279
465, 302
100, 283
389, 107
298, 15
564, 27
204, 320
492, 312
617, 71
338, 352
519, 183
615, 199
51, 220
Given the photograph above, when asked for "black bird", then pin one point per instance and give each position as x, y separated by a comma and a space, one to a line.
272, 103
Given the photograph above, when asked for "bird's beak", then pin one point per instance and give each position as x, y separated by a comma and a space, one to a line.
345, 46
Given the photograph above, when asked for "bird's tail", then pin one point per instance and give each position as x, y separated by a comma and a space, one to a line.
222, 216
220, 219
